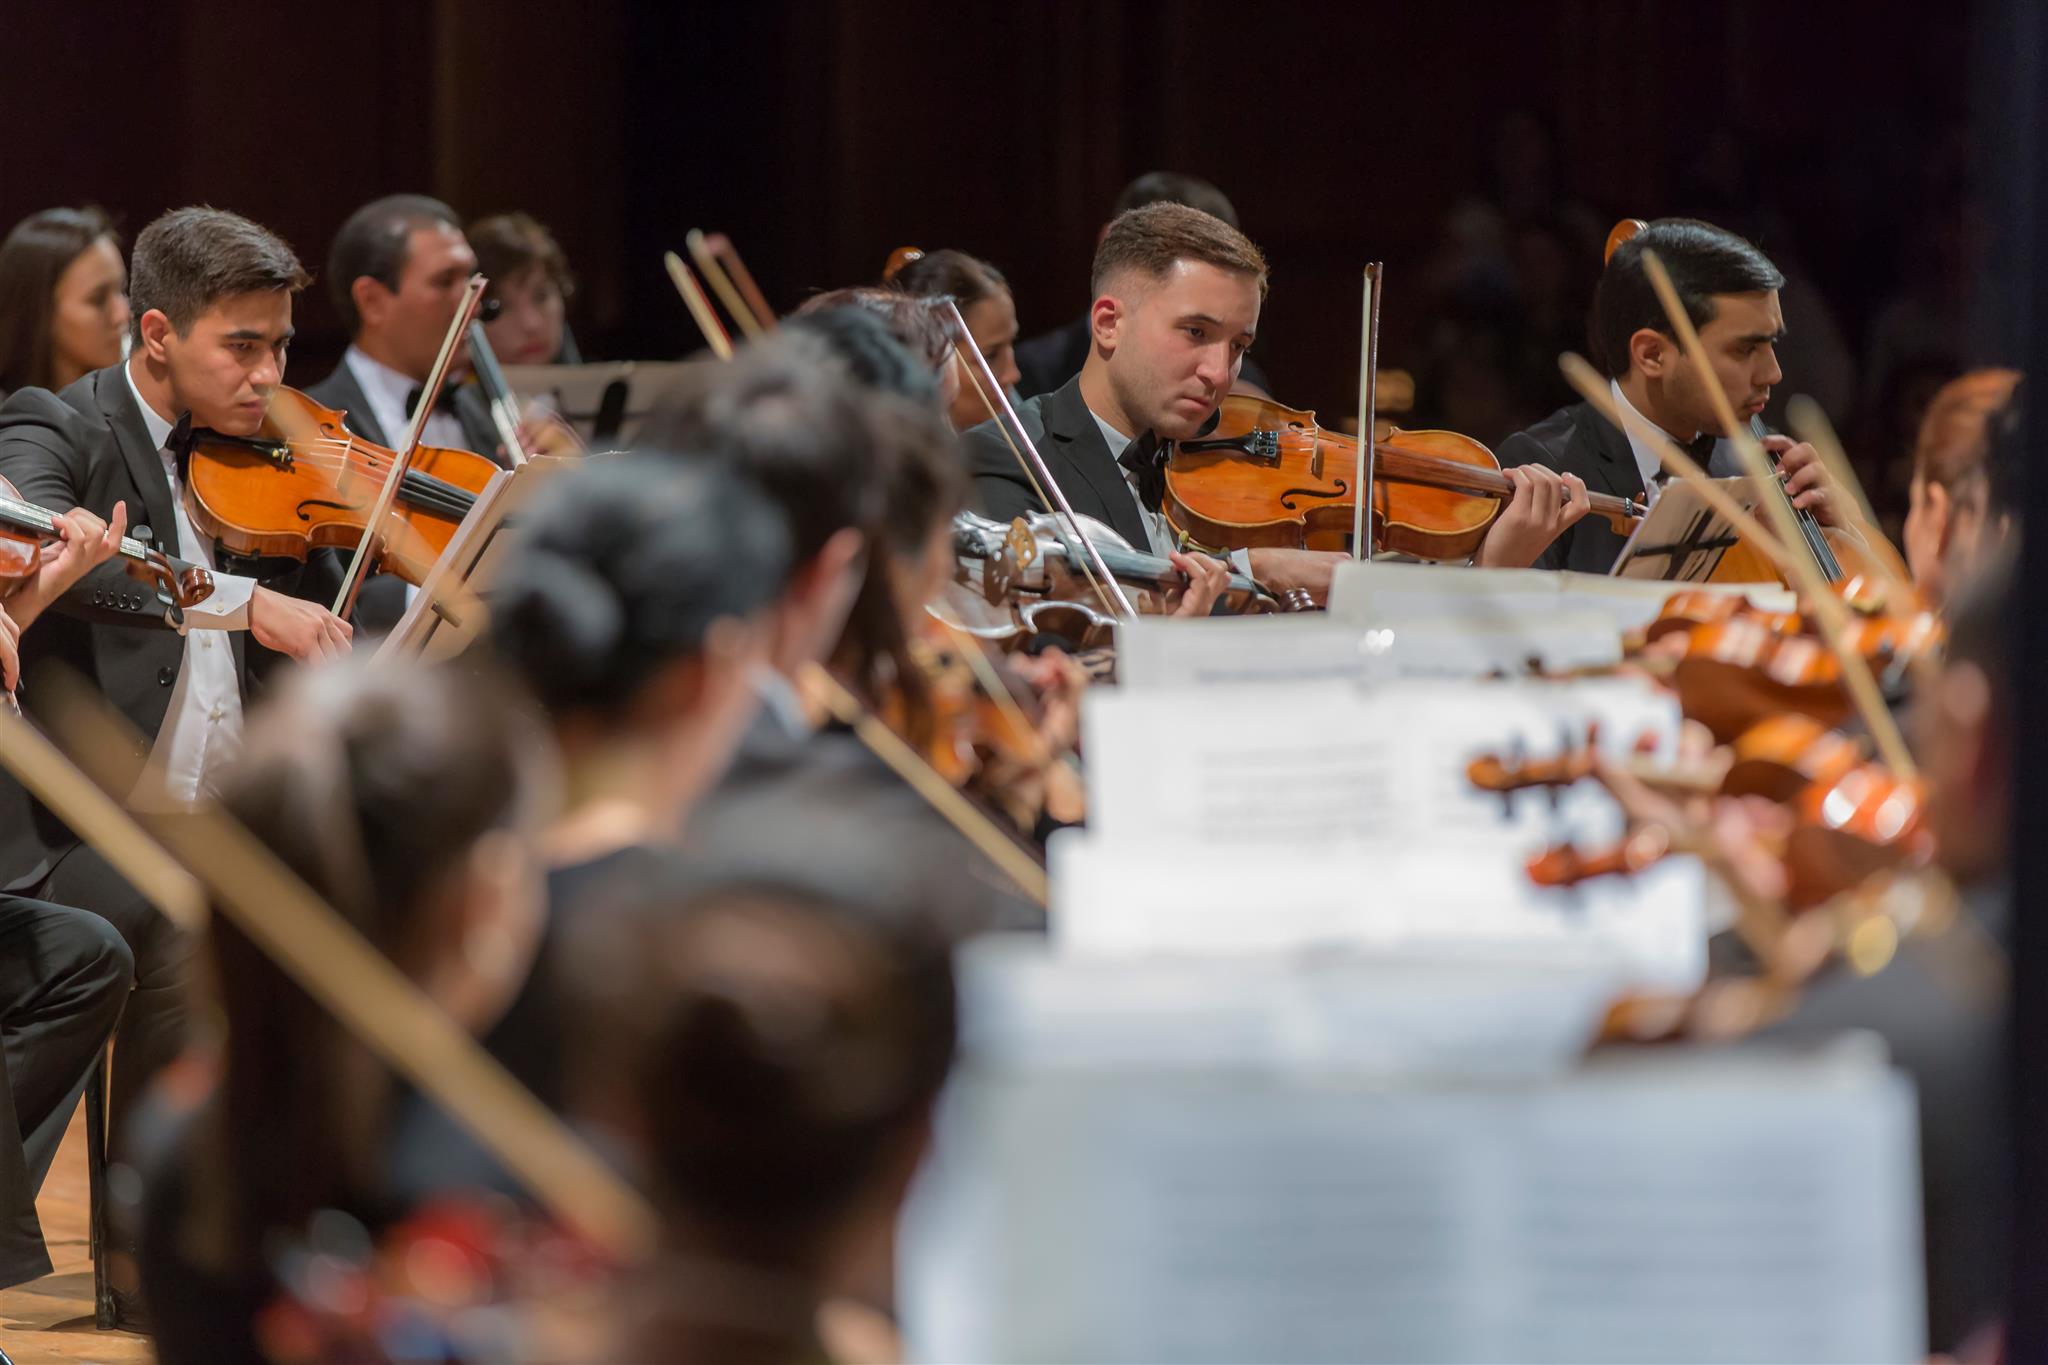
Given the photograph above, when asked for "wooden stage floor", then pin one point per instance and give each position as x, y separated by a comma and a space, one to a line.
50, 1320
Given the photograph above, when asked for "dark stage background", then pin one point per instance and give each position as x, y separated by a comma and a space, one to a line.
1481, 150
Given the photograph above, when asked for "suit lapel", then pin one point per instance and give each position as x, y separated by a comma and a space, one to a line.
1607, 454
1076, 442
145, 463
343, 392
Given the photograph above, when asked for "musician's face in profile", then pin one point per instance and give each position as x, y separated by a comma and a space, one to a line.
1741, 342
405, 325
1176, 343
225, 365
992, 322
89, 311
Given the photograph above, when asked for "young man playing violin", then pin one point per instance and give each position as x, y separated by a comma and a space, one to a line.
1177, 298
1730, 291
213, 318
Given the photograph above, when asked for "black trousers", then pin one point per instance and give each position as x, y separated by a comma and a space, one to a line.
152, 1029
64, 975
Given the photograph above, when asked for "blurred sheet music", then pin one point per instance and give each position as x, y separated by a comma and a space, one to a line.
1752, 1206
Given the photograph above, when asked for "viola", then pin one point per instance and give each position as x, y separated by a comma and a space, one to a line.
305, 482
1271, 475
25, 528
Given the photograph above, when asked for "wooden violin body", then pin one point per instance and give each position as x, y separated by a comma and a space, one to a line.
1270, 475
304, 482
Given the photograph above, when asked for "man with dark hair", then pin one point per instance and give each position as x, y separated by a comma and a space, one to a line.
213, 318
1177, 298
396, 273
1730, 293
1046, 362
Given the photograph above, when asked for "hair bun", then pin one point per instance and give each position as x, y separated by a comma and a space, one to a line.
561, 616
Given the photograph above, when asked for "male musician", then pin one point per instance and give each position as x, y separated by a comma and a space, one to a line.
1048, 361
64, 973
1730, 292
1177, 297
213, 318
396, 273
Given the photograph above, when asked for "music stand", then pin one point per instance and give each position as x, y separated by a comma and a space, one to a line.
605, 403
1683, 538
446, 614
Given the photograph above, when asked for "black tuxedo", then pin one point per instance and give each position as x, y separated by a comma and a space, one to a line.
340, 390
90, 447
1066, 434
1578, 440
1046, 362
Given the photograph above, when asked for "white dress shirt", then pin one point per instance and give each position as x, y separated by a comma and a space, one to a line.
1159, 534
203, 726
387, 391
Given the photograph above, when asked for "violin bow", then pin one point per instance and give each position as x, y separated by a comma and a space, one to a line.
490, 376
722, 247
963, 815
740, 310
401, 460
1019, 441
1827, 606
1368, 405
699, 304
333, 963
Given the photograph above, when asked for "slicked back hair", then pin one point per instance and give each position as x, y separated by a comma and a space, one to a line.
1702, 260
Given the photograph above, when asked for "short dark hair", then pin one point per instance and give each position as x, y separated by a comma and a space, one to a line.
1701, 259
1171, 187
32, 259
947, 273
375, 241
783, 414
509, 243
190, 259
1152, 239
868, 350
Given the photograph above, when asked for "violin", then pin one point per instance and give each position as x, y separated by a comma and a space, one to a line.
1032, 573
25, 528
1730, 674
1270, 475
305, 482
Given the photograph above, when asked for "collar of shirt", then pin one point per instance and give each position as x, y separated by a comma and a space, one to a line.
159, 427
1115, 439
387, 389
1647, 462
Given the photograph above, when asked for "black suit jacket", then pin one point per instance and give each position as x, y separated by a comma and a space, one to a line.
89, 447
381, 602
1046, 362
1065, 433
340, 390
1578, 440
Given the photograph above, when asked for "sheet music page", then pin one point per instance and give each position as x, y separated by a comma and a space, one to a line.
1755, 1206
1165, 652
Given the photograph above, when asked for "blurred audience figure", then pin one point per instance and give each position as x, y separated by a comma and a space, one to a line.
768, 1060
63, 299
408, 798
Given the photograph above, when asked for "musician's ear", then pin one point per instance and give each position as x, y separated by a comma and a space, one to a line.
155, 327
371, 298
1105, 321
1652, 352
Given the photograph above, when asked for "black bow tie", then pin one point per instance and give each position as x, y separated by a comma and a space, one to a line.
444, 403
1701, 448
1145, 457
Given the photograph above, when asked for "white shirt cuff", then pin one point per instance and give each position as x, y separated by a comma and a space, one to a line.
1241, 560
226, 609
